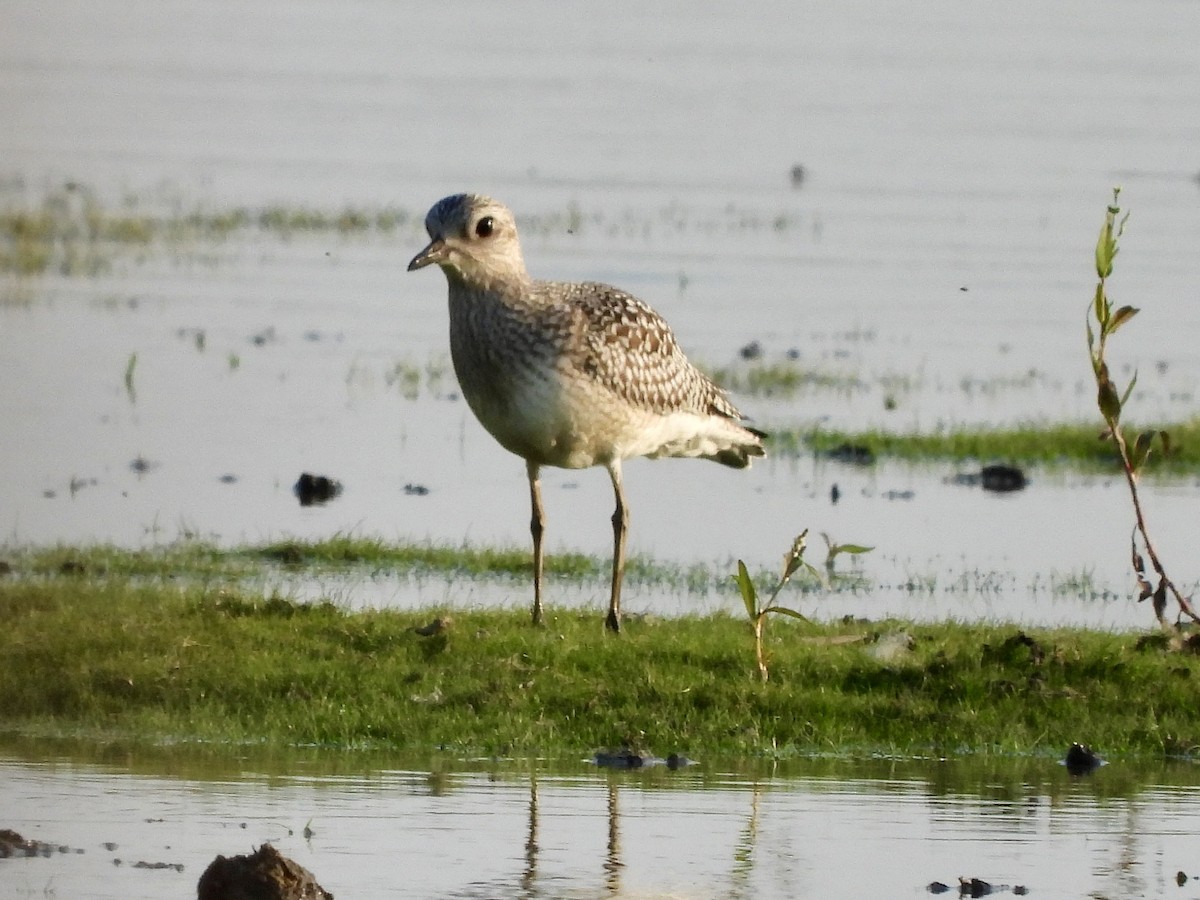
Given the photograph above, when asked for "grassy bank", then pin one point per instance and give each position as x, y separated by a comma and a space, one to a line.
147, 657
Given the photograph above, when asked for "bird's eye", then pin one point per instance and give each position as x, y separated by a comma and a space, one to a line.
485, 226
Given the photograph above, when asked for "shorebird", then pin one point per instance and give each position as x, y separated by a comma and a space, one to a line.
569, 374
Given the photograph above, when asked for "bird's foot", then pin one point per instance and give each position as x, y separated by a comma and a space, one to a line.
613, 622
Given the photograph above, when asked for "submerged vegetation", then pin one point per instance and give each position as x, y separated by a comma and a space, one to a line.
72, 230
1076, 446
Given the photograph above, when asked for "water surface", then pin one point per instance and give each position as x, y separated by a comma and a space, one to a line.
936, 256
441, 827
937, 251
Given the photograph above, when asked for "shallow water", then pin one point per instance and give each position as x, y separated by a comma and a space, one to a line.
441, 827
956, 164
957, 159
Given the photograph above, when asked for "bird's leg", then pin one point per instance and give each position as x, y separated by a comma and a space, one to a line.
537, 527
620, 520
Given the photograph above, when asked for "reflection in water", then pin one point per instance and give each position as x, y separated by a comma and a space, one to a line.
529, 875
439, 827
743, 855
612, 860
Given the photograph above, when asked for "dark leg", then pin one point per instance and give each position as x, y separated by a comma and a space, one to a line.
620, 520
537, 527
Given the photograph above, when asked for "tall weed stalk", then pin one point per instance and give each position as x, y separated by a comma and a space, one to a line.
1111, 403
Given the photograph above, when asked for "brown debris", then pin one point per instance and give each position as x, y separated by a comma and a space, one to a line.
266, 874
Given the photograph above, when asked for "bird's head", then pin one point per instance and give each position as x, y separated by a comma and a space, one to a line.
474, 240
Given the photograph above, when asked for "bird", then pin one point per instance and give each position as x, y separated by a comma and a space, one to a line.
570, 374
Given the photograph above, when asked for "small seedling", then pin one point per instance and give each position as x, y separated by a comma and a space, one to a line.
1111, 403
833, 550
793, 561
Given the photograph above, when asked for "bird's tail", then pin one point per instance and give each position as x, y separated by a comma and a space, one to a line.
739, 455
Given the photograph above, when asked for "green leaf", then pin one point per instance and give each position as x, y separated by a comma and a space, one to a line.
1100, 308
850, 548
129, 368
1120, 317
1104, 250
1107, 400
1128, 390
784, 611
746, 586
1141, 448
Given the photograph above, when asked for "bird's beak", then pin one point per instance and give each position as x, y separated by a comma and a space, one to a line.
434, 253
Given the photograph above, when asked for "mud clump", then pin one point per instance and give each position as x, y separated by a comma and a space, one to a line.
314, 490
265, 874
13, 845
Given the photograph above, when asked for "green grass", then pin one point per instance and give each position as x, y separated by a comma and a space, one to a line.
1066, 445
157, 659
202, 562
72, 230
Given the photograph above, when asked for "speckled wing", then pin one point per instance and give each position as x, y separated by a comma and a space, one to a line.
629, 348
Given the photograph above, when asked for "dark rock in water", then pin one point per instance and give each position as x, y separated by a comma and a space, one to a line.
13, 845
1082, 760
1020, 890
1002, 478
416, 490
316, 489
998, 478
852, 453
834, 494
973, 887
139, 465
752, 350
619, 759
797, 174
1181, 878
142, 864
266, 874
629, 759
938, 887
